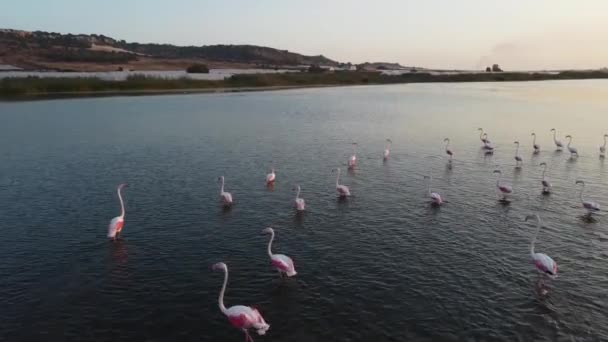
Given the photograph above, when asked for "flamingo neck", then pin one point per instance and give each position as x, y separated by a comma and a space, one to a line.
517, 150
221, 296
569, 141
554, 133
338, 178
270, 244
534, 140
604, 141
222, 188
481, 135
498, 179
122, 204
581, 193
298, 193
544, 170
429, 186
447, 146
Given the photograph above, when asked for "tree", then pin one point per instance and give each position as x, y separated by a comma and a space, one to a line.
496, 68
197, 69
488, 69
315, 68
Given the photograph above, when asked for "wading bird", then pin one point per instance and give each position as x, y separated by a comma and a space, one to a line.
352, 161
484, 139
535, 145
518, 161
271, 177
387, 150
573, 151
558, 144
503, 188
448, 151
299, 202
543, 263
435, 197
116, 224
342, 190
281, 262
591, 206
225, 197
545, 182
240, 316
603, 147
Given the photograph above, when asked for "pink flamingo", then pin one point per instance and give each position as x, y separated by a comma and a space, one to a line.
535, 145
488, 145
543, 263
271, 177
240, 316
504, 188
435, 197
116, 224
352, 161
225, 197
387, 150
544, 182
299, 202
281, 262
558, 144
589, 205
518, 161
342, 190
573, 150
603, 147
448, 151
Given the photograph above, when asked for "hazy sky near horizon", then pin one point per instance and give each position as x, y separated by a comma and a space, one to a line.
464, 34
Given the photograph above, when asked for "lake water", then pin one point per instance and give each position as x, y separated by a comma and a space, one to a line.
383, 265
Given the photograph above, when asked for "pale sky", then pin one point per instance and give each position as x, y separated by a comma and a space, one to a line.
463, 34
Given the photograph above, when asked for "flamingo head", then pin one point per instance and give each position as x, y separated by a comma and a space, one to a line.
268, 230
220, 178
336, 170
485, 135
123, 186
516, 143
389, 141
580, 182
543, 164
605, 135
296, 187
552, 130
532, 217
480, 129
568, 136
497, 171
533, 134
446, 140
219, 266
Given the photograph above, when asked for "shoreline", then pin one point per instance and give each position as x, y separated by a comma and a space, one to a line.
33, 88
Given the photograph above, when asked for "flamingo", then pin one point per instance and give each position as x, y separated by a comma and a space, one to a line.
534, 144
352, 161
448, 151
281, 262
387, 150
342, 190
435, 197
504, 188
543, 263
603, 147
518, 161
558, 144
271, 177
589, 205
488, 144
299, 202
483, 139
116, 224
572, 150
240, 316
225, 197
544, 182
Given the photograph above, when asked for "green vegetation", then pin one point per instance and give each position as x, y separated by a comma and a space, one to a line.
197, 69
11, 88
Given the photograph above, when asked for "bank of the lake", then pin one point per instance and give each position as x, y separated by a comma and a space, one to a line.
33, 87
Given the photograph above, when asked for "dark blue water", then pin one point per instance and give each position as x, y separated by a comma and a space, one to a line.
383, 265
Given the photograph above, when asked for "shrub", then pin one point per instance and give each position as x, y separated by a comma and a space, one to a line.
197, 69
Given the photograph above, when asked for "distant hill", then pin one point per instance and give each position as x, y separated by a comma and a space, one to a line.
90, 52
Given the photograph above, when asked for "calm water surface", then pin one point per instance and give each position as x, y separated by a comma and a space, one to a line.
383, 265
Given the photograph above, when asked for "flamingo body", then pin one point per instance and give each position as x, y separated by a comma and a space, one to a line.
352, 161
342, 190
591, 206
225, 197
436, 198
300, 204
386, 154
545, 264
505, 189
558, 144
